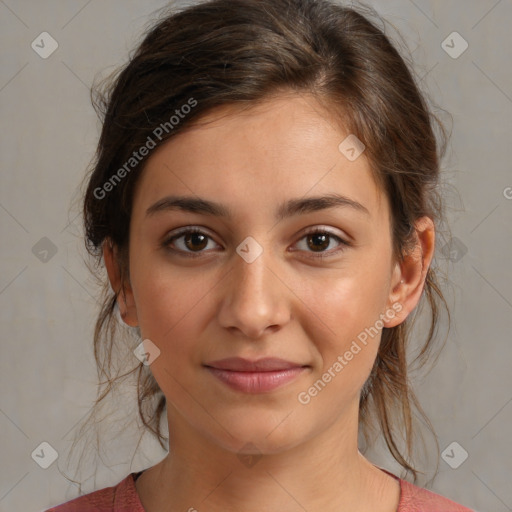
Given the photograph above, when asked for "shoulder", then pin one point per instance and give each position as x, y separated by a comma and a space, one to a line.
417, 499
120, 497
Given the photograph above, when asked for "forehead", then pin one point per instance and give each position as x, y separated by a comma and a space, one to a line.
285, 146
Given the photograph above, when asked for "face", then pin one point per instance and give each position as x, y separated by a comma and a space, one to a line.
274, 273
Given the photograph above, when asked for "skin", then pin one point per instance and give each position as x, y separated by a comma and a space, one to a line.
285, 304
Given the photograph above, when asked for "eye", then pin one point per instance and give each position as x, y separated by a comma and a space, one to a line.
194, 241
319, 239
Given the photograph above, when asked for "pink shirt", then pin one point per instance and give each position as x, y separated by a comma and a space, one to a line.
123, 497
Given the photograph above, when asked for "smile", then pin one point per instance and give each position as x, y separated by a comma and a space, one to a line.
256, 381
260, 376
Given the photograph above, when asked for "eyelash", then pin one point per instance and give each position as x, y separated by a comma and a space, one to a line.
322, 255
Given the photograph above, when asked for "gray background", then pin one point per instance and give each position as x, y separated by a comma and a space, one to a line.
47, 372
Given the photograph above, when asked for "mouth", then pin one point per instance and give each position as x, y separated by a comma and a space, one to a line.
263, 375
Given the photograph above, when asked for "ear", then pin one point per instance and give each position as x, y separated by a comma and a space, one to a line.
124, 291
409, 276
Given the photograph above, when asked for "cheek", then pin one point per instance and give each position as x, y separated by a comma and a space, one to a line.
169, 305
170, 310
343, 307
341, 317
343, 334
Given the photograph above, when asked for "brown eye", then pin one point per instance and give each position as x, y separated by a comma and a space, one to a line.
318, 241
188, 242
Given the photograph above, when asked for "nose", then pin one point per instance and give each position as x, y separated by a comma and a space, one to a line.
254, 299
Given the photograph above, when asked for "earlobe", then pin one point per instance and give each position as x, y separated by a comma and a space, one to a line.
125, 299
409, 277
395, 314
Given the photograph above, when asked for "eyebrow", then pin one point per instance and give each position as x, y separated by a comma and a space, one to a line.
287, 209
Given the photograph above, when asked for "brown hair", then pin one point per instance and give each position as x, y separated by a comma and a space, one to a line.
239, 52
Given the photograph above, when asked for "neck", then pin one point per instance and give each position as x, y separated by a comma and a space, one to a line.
326, 472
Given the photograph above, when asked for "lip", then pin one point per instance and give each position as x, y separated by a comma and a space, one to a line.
260, 376
266, 364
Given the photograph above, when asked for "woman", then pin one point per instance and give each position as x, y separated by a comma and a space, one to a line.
265, 201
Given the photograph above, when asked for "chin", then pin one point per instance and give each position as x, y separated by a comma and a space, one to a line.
258, 434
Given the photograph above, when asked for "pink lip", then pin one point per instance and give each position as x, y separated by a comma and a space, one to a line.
255, 376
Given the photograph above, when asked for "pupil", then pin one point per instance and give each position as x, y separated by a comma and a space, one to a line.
319, 236
195, 235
